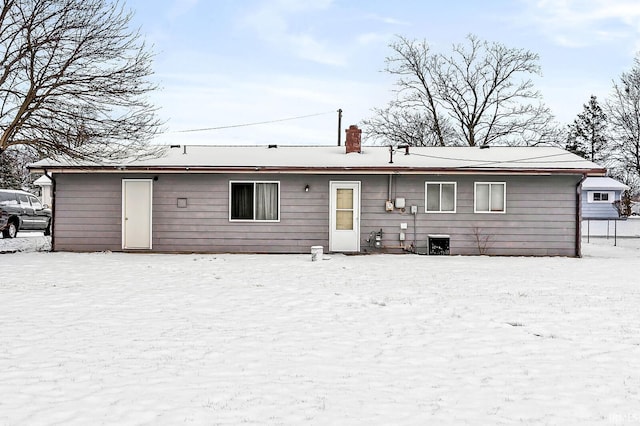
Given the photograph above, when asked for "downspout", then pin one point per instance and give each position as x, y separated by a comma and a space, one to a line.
579, 216
53, 208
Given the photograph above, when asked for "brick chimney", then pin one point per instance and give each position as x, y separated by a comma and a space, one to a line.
352, 142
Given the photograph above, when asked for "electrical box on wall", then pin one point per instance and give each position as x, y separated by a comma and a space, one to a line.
399, 203
414, 209
388, 206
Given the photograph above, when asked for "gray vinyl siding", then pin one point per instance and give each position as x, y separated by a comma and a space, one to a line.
540, 216
88, 211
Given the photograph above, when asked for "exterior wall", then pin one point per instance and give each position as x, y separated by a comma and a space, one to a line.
600, 210
540, 216
87, 212
204, 225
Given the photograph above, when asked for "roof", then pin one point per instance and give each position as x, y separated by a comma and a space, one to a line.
15, 191
603, 183
42, 181
331, 159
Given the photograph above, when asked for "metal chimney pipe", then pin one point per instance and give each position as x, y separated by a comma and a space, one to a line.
339, 126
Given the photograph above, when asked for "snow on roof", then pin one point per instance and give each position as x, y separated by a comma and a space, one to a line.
333, 157
42, 181
591, 183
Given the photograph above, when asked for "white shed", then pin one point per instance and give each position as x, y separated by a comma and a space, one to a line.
46, 189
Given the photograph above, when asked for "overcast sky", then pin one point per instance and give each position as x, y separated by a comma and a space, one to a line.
228, 62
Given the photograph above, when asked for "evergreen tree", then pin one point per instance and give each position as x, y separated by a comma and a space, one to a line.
587, 134
13, 169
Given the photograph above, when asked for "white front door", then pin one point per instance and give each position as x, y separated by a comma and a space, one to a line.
136, 213
344, 220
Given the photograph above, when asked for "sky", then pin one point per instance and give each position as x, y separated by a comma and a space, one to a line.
294, 63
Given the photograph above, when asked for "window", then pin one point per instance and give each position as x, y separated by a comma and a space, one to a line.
35, 203
600, 197
8, 199
254, 201
490, 197
440, 197
24, 201
344, 209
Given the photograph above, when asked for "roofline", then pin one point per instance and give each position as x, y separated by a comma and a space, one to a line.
605, 188
318, 170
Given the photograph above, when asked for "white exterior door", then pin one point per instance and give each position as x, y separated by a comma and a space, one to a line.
136, 213
344, 223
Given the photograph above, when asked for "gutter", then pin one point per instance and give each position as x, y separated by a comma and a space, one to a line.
53, 208
579, 216
325, 170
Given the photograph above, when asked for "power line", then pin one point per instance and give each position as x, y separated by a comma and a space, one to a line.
253, 124
481, 163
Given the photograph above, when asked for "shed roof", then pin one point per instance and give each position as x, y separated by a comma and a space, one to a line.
42, 181
603, 183
319, 159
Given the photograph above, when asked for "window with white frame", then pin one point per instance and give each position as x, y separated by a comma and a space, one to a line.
490, 197
440, 197
254, 201
600, 197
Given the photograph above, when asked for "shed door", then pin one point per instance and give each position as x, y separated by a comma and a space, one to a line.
344, 216
136, 213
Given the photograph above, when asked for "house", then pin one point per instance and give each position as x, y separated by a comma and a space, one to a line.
599, 198
352, 199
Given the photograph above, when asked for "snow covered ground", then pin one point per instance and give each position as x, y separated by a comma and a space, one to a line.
131, 339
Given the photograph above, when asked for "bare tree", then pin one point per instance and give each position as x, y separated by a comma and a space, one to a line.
623, 110
406, 127
480, 94
73, 79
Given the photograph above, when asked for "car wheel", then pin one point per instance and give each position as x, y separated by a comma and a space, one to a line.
11, 231
47, 230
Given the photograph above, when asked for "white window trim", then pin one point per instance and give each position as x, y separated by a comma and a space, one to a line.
254, 212
504, 197
609, 201
455, 197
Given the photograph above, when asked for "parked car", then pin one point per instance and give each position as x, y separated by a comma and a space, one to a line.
22, 211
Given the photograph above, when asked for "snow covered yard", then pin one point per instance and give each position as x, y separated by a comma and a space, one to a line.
128, 339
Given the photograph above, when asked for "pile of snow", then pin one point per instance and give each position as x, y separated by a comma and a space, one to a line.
127, 339
26, 241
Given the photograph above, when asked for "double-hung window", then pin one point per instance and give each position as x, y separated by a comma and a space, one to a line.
254, 201
490, 197
440, 197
